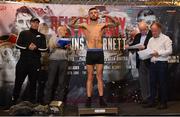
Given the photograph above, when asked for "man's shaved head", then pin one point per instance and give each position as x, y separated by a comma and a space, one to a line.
143, 27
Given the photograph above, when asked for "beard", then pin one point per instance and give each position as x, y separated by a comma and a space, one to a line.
93, 19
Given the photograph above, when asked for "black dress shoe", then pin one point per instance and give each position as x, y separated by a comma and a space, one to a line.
149, 105
144, 102
88, 103
13, 101
102, 103
162, 106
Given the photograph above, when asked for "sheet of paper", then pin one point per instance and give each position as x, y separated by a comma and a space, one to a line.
135, 46
145, 54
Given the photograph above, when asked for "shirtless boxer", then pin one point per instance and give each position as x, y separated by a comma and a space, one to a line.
93, 32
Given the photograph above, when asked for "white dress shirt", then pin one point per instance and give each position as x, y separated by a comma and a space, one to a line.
143, 38
161, 44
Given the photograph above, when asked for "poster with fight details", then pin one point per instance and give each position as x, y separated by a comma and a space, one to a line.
119, 65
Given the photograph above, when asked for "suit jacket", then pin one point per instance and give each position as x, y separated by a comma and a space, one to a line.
137, 40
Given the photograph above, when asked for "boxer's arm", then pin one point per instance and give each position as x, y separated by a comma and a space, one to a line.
112, 23
74, 24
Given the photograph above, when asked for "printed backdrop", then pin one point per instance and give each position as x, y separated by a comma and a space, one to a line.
120, 77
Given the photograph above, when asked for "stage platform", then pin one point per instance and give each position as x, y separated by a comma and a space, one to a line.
96, 110
124, 109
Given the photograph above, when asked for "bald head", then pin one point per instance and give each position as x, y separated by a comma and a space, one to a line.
156, 29
62, 31
143, 27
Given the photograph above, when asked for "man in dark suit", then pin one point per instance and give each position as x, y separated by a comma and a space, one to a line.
142, 40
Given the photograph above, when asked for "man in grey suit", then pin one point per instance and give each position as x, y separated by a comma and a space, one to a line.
142, 40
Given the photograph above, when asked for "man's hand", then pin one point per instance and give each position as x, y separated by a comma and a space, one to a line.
85, 17
113, 22
104, 15
141, 47
68, 46
155, 54
126, 46
32, 46
73, 20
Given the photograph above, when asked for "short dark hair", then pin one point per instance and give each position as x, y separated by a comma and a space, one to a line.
157, 24
33, 19
93, 8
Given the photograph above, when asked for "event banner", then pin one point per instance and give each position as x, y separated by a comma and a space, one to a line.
119, 65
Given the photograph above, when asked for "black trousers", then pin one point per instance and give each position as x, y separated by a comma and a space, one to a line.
42, 79
26, 67
144, 80
158, 77
56, 83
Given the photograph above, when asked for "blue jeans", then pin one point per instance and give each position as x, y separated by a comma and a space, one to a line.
158, 81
